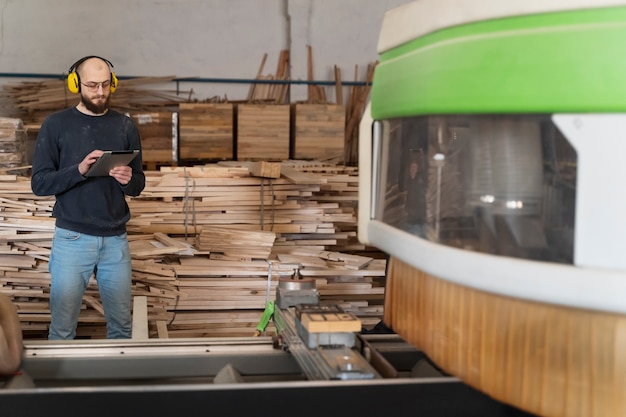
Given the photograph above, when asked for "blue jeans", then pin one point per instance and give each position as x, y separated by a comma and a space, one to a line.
74, 257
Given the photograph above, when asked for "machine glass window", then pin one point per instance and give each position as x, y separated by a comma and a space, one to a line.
499, 184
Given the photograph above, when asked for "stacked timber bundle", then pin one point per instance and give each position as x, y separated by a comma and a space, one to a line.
158, 137
338, 193
318, 131
32, 101
263, 132
12, 143
25, 238
237, 244
206, 131
192, 290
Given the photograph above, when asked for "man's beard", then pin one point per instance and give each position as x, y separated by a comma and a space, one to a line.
95, 108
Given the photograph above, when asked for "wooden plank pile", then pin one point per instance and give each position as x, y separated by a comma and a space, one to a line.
263, 132
259, 127
158, 136
12, 142
318, 131
206, 131
183, 235
235, 243
32, 101
25, 236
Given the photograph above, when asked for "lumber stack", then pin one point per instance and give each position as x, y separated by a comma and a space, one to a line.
12, 142
235, 243
263, 132
192, 289
25, 238
32, 101
318, 131
159, 137
339, 194
206, 131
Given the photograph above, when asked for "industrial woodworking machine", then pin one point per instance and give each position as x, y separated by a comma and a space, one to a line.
317, 363
490, 171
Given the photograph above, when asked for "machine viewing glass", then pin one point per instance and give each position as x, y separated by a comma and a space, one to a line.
511, 193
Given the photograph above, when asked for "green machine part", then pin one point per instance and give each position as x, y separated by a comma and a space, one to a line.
267, 315
567, 62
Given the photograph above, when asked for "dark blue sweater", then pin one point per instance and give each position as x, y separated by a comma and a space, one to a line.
95, 206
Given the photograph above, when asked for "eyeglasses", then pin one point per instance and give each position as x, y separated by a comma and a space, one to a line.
93, 86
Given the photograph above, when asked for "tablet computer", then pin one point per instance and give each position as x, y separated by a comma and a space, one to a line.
110, 159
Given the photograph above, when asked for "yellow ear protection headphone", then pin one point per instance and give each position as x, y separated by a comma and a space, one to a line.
73, 79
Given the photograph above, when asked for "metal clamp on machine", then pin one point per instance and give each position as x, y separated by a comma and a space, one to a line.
319, 336
291, 292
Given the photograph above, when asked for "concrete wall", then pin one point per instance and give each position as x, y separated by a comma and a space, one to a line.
194, 38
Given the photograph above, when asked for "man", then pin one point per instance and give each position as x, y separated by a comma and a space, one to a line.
91, 212
415, 204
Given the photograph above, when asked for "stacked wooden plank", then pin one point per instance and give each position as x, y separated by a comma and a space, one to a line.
263, 132
339, 194
159, 137
32, 101
206, 131
304, 227
318, 131
191, 291
235, 243
12, 142
25, 237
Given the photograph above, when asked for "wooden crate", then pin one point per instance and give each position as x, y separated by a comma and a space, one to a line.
263, 132
206, 131
158, 136
318, 131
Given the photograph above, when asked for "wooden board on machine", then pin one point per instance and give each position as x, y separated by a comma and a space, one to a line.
327, 319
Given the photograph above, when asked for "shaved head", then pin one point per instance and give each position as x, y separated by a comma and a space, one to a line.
94, 70
93, 64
